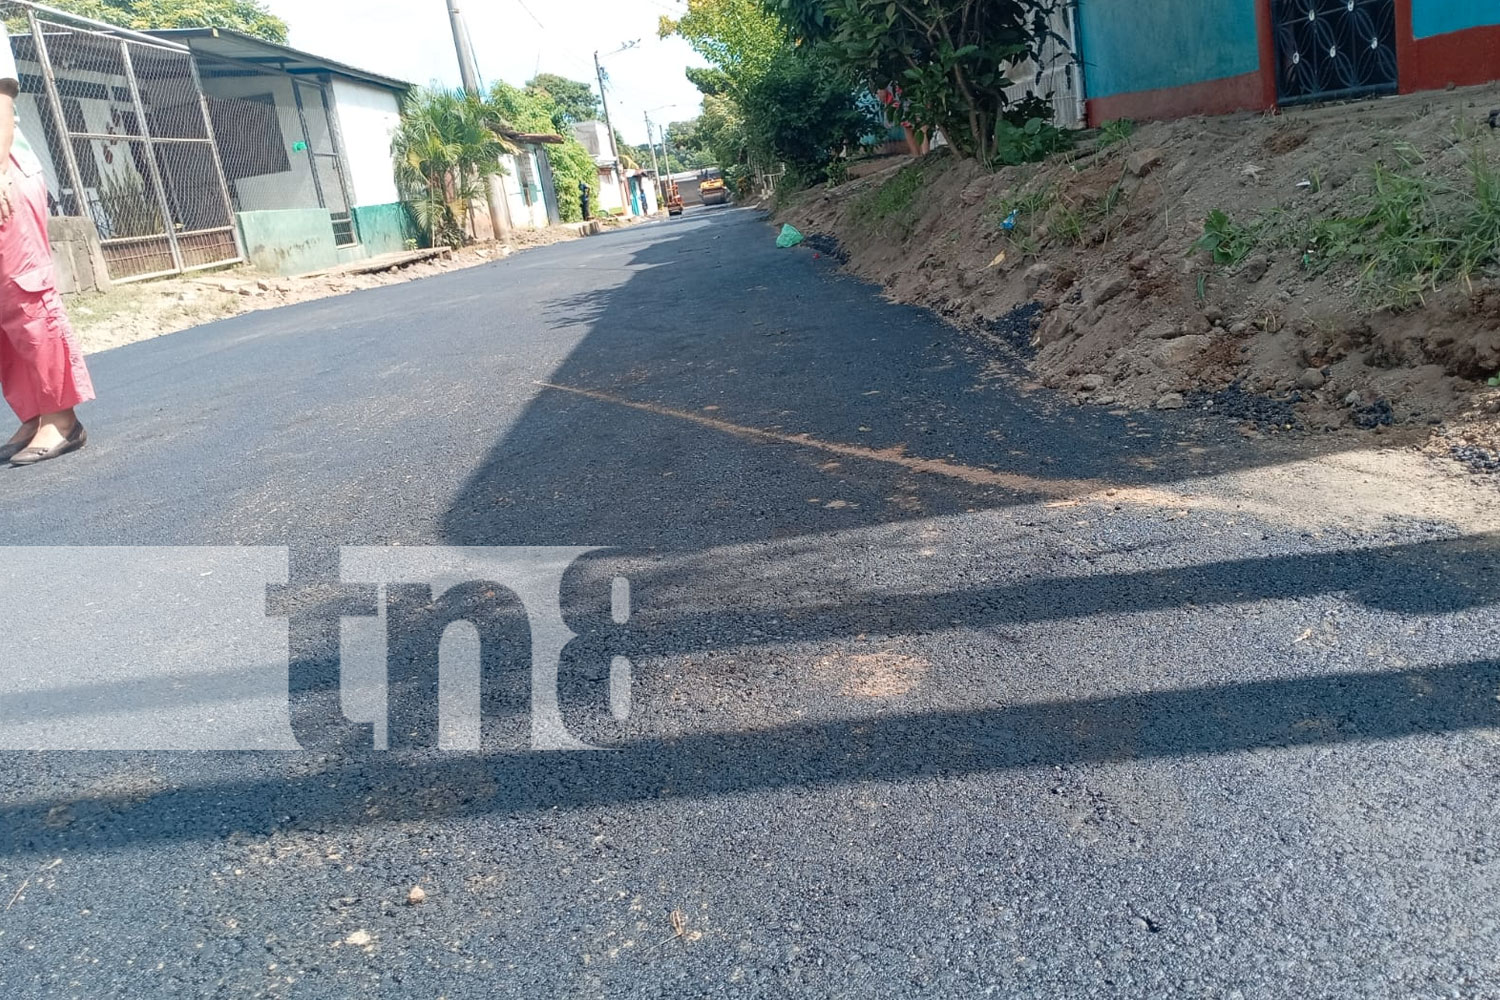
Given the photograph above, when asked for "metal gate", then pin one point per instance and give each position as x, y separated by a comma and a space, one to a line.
1331, 49
124, 134
327, 164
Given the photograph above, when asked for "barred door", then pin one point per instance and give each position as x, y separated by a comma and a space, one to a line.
327, 162
1330, 49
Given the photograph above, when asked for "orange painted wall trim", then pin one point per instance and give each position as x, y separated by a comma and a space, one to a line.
1213, 97
1267, 29
1462, 58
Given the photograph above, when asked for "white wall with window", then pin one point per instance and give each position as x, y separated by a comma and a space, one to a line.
368, 117
258, 130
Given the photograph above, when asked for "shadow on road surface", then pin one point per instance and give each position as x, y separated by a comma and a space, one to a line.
727, 397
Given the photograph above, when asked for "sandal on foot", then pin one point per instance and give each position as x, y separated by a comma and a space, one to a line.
76, 439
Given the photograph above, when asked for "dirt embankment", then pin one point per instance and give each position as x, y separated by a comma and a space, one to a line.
1315, 270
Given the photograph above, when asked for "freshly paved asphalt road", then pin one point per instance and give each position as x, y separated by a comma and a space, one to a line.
901, 728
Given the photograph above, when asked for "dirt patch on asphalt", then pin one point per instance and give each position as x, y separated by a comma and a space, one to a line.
1246, 265
875, 675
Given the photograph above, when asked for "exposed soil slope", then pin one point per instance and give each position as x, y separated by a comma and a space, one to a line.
1343, 292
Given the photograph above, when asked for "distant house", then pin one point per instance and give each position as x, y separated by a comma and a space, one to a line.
1170, 58
640, 185
613, 191
529, 187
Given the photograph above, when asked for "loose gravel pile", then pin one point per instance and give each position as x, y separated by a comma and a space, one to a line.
1478, 459
1237, 403
1017, 328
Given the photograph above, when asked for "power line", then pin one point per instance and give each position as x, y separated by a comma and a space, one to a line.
529, 14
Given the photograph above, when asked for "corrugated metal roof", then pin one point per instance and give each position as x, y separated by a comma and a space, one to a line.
244, 48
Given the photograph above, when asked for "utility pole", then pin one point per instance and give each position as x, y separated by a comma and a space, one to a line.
609, 126
655, 165
468, 68
614, 147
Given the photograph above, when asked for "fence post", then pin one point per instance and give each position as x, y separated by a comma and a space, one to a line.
213, 146
161, 191
70, 155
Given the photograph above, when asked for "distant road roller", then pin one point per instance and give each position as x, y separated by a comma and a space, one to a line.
712, 189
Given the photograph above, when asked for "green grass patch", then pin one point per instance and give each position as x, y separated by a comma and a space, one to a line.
1227, 241
1032, 142
1020, 218
1046, 216
1112, 133
1417, 233
894, 201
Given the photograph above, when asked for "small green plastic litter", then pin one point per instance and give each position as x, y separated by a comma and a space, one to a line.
789, 237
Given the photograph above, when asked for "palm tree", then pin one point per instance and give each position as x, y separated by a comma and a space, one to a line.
445, 148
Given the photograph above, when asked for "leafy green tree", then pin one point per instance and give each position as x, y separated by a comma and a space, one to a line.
767, 96
740, 38
804, 110
522, 110
573, 101
725, 135
572, 165
248, 16
444, 149
709, 80
950, 58
689, 143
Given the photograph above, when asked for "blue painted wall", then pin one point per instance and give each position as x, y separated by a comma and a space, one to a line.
1440, 17
1134, 45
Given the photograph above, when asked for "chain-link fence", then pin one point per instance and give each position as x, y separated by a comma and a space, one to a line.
277, 141
160, 149
125, 139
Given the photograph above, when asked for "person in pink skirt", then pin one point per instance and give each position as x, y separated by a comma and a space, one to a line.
42, 372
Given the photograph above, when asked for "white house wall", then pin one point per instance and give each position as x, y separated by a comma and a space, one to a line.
368, 117
29, 119
610, 194
1058, 77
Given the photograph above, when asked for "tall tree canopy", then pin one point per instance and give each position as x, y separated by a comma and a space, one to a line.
767, 96
739, 37
953, 60
248, 16
572, 100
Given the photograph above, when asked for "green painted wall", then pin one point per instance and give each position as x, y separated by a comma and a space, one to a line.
385, 228
1134, 45
289, 242
1440, 17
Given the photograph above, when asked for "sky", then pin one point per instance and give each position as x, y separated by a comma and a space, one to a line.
513, 40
